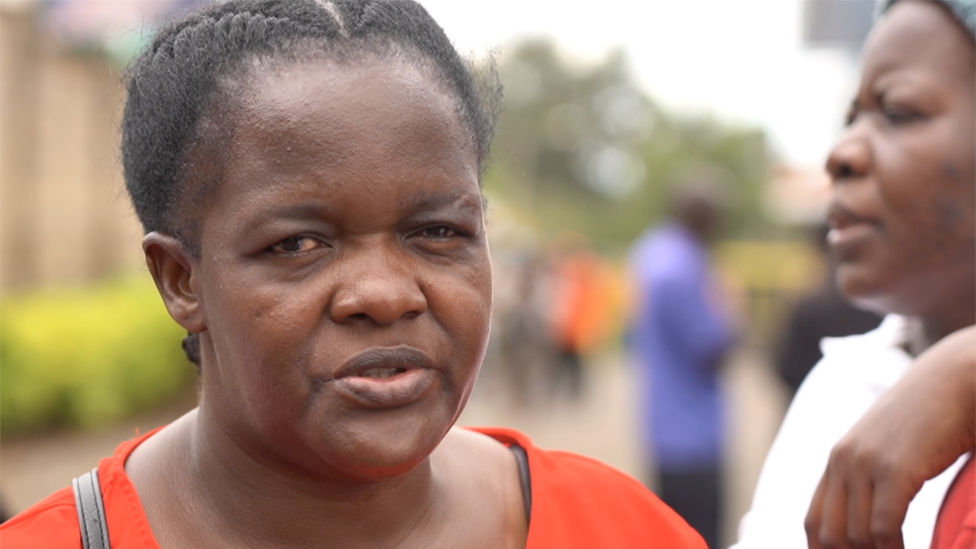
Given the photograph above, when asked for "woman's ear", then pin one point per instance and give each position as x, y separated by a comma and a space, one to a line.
173, 270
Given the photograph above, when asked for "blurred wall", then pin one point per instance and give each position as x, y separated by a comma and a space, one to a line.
64, 215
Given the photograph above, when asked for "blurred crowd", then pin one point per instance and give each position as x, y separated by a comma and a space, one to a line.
554, 308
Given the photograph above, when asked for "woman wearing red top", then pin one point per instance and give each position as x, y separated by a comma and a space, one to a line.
308, 175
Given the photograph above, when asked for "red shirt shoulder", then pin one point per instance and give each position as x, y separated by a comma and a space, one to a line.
54, 521
579, 502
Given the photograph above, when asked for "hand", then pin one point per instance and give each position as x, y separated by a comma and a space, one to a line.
914, 432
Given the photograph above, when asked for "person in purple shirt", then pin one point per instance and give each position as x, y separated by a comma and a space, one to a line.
679, 335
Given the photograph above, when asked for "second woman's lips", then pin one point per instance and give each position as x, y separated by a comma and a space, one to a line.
847, 230
386, 377
840, 216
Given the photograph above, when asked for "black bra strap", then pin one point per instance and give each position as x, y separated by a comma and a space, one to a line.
525, 478
91, 511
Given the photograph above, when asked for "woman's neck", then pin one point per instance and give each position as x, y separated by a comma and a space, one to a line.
230, 497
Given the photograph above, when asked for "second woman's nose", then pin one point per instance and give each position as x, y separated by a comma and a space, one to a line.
850, 158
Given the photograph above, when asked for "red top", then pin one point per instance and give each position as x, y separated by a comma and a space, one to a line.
577, 502
956, 526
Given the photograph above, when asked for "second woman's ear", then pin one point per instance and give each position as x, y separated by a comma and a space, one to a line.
172, 268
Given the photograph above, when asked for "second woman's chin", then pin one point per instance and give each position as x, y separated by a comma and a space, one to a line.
866, 287
879, 283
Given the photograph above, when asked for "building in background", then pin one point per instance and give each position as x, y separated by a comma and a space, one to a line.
64, 215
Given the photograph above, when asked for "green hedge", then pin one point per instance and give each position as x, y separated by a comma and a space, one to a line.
87, 356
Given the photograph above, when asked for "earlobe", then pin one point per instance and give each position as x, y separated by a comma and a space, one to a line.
173, 270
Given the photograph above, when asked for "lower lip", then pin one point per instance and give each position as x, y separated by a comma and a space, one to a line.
391, 392
845, 240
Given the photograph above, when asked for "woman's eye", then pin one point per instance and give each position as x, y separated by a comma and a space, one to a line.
295, 244
898, 116
439, 231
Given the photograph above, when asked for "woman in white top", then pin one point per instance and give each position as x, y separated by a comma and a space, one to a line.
903, 228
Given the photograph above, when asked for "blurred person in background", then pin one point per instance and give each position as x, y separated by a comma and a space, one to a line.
582, 304
681, 332
903, 229
525, 340
825, 312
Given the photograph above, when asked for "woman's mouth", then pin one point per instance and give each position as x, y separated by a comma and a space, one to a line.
848, 231
382, 373
386, 377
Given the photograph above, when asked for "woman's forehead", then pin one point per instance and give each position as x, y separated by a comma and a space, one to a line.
288, 92
363, 125
923, 36
964, 11
333, 111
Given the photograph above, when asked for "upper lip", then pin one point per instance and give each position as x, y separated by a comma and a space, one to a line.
840, 216
401, 356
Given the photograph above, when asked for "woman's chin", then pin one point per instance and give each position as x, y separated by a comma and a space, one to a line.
863, 287
382, 464
380, 454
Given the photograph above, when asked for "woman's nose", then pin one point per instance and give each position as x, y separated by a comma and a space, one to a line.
379, 287
850, 158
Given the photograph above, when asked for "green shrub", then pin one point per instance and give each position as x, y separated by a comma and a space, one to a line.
87, 356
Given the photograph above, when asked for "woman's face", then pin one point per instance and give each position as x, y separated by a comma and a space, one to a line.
904, 173
344, 277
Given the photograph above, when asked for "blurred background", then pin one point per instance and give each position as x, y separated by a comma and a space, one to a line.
606, 104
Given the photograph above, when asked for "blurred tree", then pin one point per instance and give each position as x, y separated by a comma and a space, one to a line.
585, 149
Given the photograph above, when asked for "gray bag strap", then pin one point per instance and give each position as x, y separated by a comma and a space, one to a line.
91, 511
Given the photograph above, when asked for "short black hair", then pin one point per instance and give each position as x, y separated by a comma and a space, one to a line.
182, 83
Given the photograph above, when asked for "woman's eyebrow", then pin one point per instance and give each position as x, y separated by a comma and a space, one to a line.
460, 198
301, 211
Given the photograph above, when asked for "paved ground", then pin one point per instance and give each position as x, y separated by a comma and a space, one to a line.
601, 425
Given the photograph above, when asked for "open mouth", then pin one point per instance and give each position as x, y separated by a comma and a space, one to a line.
841, 217
382, 373
384, 362
385, 377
